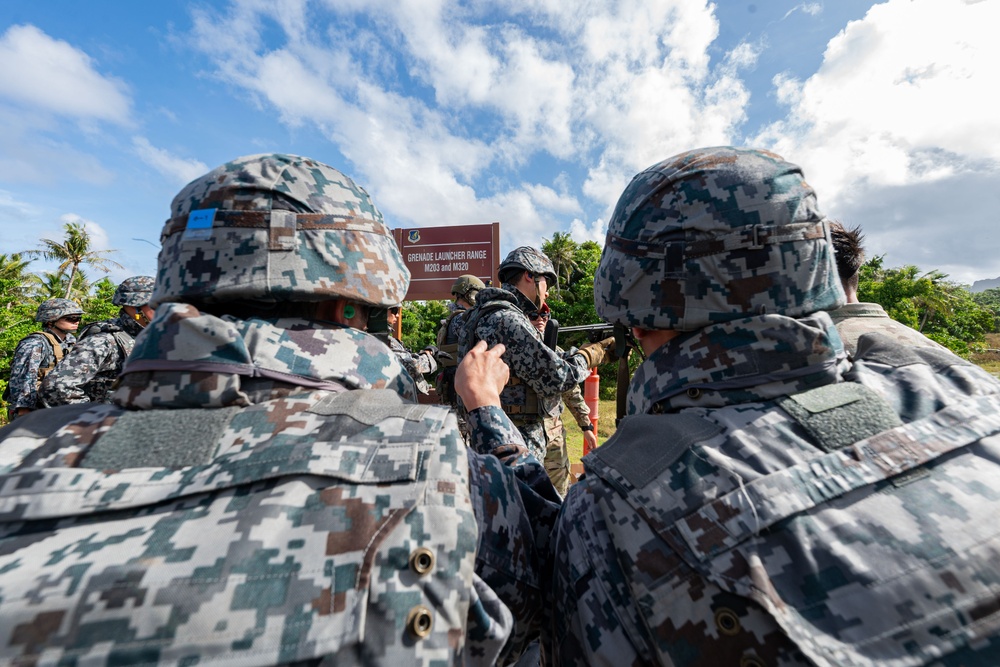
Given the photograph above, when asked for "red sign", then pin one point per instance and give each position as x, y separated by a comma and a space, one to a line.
436, 256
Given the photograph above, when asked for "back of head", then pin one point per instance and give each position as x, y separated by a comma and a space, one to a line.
135, 291
848, 248
274, 228
713, 235
56, 309
525, 258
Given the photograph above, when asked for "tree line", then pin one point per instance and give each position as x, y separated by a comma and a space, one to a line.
927, 301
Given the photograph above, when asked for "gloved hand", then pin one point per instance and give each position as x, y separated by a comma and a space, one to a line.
598, 353
440, 355
431, 350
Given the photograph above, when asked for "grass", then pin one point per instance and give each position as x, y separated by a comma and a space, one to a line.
574, 436
990, 361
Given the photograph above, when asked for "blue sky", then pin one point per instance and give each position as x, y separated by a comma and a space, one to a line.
533, 113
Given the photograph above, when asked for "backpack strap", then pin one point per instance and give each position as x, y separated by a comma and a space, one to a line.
57, 352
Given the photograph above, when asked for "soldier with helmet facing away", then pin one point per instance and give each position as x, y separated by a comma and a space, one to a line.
767, 501
87, 373
39, 352
264, 489
538, 374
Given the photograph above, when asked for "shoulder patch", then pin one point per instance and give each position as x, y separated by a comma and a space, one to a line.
838, 415
170, 439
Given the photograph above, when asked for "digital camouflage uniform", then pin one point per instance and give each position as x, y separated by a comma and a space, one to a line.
416, 363
35, 355
767, 502
87, 373
538, 375
265, 490
556, 454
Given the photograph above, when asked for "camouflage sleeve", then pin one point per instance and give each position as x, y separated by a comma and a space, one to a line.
515, 526
577, 405
594, 619
490, 428
24, 372
88, 357
530, 359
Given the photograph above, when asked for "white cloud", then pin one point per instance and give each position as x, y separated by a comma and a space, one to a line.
457, 99
178, 169
902, 104
52, 76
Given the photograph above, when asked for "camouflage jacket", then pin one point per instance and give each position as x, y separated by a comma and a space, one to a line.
242, 505
86, 374
767, 503
416, 364
32, 354
538, 374
856, 319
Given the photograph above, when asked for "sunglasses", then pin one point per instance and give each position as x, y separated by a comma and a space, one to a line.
536, 316
72, 318
394, 310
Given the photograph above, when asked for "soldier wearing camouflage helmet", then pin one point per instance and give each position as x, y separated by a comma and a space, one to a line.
538, 374
38, 353
766, 501
264, 489
92, 366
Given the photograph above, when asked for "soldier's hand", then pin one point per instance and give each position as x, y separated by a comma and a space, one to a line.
598, 353
481, 376
589, 441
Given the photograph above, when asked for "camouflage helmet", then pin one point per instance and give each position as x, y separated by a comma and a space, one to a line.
526, 258
277, 228
56, 309
135, 291
713, 235
467, 287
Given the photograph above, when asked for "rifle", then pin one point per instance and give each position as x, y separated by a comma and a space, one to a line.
624, 344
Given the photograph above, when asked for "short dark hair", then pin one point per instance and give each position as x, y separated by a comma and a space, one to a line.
849, 250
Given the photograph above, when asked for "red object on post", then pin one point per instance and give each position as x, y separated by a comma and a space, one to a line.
591, 392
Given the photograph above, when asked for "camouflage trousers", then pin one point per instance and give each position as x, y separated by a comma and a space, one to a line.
556, 454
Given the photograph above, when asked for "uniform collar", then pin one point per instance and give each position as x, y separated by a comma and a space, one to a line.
754, 359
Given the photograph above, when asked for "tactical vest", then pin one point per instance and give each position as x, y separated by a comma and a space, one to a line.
124, 341
234, 536
871, 590
57, 354
518, 412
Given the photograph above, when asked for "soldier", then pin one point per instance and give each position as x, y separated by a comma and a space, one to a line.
39, 352
856, 318
465, 290
538, 375
264, 490
556, 455
86, 374
767, 502
417, 364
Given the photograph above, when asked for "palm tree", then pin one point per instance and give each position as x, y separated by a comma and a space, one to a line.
74, 251
561, 250
51, 285
16, 279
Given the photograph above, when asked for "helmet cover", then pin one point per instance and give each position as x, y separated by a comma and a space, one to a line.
526, 258
56, 309
135, 291
276, 227
713, 235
